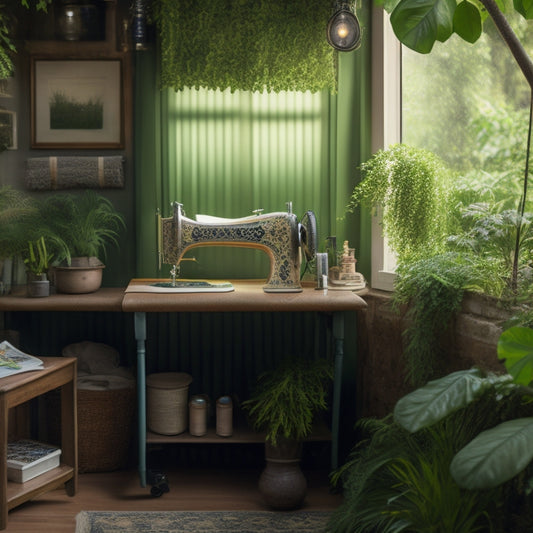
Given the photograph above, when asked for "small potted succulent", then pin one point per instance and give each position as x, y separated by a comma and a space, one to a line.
37, 259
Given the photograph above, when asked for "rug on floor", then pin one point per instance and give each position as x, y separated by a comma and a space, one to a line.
201, 521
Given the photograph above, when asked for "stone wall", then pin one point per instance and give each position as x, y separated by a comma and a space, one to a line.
381, 372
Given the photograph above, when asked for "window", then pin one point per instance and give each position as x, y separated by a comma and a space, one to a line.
467, 103
386, 103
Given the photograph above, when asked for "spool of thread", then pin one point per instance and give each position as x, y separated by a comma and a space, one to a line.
322, 270
197, 416
224, 425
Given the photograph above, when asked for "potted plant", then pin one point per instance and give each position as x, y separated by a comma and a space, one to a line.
37, 260
284, 404
16, 208
457, 452
86, 224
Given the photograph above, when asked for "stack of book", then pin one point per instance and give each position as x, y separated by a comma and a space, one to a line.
27, 459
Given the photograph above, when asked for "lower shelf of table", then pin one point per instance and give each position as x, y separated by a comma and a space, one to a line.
241, 435
18, 493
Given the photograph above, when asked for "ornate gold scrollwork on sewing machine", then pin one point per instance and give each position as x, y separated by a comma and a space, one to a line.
278, 234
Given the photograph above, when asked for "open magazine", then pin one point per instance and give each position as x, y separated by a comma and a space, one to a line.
13, 361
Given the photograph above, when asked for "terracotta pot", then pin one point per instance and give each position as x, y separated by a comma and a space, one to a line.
84, 275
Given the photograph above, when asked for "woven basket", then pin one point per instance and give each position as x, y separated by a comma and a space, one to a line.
105, 427
167, 402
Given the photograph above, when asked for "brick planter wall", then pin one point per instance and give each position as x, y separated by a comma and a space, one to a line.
381, 372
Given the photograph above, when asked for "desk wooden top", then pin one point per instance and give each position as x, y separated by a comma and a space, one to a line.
247, 296
105, 299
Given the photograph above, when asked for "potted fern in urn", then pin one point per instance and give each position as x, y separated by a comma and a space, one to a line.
283, 405
87, 224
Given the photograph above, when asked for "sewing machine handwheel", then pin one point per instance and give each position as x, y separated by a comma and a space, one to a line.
308, 235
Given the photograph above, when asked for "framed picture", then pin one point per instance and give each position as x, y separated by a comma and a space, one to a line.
8, 129
77, 103
6, 88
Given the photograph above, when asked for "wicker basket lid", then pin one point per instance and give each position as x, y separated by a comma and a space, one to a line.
169, 380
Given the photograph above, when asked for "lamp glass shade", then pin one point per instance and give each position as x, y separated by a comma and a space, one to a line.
343, 31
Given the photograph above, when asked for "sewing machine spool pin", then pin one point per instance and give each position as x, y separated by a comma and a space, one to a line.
278, 234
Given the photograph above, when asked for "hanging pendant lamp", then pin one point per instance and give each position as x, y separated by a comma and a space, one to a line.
343, 31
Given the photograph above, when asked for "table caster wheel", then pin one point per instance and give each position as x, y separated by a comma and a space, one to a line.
158, 490
159, 483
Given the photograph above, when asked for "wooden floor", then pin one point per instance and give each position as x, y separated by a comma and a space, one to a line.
203, 489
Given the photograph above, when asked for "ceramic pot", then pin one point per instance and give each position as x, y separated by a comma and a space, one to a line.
84, 275
282, 483
38, 288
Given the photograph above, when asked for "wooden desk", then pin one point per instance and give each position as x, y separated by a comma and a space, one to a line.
247, 296
58, 372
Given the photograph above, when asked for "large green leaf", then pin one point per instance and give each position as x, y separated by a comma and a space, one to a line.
419, 23
467, 22
495, 455
439, 398
515, 347
524, 7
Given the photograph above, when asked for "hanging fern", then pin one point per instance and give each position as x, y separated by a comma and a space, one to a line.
251, 45
413, 187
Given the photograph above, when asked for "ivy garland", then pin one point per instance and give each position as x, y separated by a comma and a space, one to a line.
252, 45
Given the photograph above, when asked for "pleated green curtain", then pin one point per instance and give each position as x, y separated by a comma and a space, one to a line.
227, 153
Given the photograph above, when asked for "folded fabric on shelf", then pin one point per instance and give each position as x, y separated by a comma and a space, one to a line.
93, 172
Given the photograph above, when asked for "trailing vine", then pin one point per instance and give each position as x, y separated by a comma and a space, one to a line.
432, 290
413, 188
252, 45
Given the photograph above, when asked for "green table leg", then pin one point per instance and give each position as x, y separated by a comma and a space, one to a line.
140, 337
338, 336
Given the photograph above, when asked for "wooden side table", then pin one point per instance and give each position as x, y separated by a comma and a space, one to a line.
58, 372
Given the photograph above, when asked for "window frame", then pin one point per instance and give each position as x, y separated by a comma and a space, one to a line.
386, 128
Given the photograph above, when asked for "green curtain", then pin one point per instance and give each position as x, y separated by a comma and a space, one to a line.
225, 154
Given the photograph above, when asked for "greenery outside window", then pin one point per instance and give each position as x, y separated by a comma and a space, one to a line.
468, 104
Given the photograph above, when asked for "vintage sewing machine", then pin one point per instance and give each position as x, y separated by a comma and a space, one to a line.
278, 234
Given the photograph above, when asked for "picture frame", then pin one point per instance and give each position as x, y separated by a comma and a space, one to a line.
77, 103
8, 128
6, 88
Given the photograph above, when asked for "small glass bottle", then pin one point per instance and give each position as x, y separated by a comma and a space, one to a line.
224, 425
197, 416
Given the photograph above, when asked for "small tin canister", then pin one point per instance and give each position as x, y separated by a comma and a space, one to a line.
224, 427
198, 416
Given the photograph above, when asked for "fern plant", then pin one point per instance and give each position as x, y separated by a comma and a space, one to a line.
287, 398
413, 187
16, 209
86, 224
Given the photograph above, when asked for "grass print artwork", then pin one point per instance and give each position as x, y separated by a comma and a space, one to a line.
68, 113
77, 103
